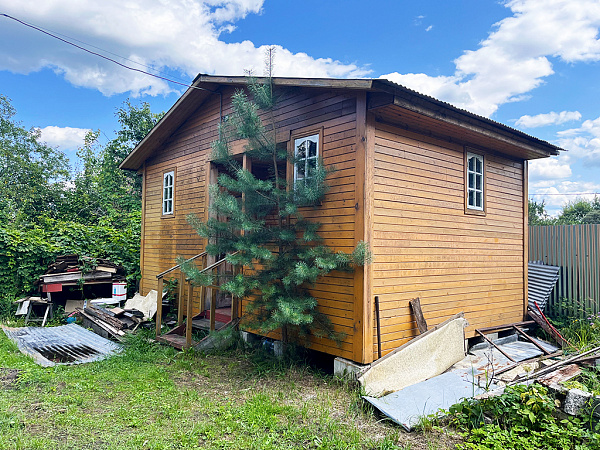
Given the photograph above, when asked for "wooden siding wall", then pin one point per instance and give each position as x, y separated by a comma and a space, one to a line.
426, 246
188, 151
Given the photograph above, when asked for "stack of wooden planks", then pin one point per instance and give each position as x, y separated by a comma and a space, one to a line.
111, 323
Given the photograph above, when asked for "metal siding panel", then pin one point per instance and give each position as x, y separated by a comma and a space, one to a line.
575, 248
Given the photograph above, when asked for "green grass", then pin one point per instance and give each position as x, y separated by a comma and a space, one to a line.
152, 397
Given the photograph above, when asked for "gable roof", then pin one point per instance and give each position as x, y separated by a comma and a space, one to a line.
392, 95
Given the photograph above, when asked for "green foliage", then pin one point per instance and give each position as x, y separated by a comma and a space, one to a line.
522, 418
577, 323
592, 217
266, 232
538, 214
587, 381
25, 253
574, 212
44, 214
32, 174
579, 211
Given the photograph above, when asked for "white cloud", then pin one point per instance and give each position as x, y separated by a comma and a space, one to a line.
515, 57
556, 194
551, 118
429, 28
549, 169
583, 142
66, 138
181, 36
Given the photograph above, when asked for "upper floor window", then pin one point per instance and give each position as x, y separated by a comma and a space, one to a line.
168, 189
475, 182
306, 152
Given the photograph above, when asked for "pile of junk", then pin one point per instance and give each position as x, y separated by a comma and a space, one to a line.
81, 290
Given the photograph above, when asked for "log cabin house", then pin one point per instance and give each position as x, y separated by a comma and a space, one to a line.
439, 193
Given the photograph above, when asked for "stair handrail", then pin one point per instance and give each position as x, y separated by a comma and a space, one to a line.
162, 274
218, 263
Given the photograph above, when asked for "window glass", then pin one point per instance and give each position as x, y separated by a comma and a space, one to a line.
307, 156
475, 184
168, 183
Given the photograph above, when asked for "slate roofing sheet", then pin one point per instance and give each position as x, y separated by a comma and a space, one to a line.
67, 344
541, 279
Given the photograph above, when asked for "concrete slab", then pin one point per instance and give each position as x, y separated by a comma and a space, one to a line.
347, 369
407, 406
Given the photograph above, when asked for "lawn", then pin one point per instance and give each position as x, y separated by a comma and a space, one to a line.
153, 397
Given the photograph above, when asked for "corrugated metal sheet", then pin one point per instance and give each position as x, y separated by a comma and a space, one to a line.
576, 249
541, 279
67, 344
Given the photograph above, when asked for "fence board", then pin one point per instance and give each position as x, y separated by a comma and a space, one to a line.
576, 249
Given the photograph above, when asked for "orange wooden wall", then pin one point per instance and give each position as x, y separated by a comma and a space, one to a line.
188, 151
426, 246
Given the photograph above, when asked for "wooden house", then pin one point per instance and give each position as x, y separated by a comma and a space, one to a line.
439, 193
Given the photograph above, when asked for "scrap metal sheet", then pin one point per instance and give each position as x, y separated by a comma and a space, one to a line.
465, 379
67, 344
407, 406
541, 279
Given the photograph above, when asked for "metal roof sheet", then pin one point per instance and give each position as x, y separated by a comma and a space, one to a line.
541, 279
66, 344
192, 98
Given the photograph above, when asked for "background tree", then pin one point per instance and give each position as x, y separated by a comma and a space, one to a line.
32, 175
592, 217
258, 223
574, 212
538, 214
46, 211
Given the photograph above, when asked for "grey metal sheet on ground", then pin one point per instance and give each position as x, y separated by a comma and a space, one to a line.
541, 279
407, 406
67, 344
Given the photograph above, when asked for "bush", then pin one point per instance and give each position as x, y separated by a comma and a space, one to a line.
524, 417
26, 253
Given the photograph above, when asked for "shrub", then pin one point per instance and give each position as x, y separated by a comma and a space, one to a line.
522, 418
25, 253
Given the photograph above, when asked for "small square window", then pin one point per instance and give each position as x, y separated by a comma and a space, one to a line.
168, 188
475, 182
306, 152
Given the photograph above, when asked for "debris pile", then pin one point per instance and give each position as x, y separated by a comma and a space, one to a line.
71, 270
116, 322
113, 322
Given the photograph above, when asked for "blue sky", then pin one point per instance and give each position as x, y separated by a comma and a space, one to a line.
531, 64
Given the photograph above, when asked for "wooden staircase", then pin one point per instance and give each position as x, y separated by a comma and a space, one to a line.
212, 319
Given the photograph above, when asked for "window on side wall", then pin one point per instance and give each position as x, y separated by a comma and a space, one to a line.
168, 192
306, 154
475, 182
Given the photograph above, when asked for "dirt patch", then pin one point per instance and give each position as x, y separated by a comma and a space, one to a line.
8, 378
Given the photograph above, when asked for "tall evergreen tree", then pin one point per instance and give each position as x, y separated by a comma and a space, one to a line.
258, 224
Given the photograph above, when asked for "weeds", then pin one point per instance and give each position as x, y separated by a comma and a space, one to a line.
524, 417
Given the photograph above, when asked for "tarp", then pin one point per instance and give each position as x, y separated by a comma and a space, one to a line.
146, 304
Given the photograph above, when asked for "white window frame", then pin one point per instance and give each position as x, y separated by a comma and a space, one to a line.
472, 187
168, 193
306, 160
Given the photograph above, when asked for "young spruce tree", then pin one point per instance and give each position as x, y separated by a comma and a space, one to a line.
258, 224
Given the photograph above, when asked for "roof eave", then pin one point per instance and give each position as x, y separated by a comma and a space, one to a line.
445, 112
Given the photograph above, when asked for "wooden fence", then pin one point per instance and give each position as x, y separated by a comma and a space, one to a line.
576, 249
